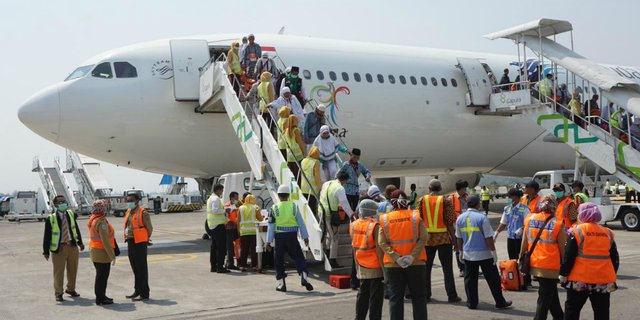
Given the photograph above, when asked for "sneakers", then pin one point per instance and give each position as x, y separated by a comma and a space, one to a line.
304, 282
281, 285
507, 304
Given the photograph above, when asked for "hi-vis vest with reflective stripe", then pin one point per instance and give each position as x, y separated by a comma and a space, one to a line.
285, 213
282, 142
363, 243
94, 233
263, 96
433, 211
593, 264
234, 67
402, 229
215, 219
248, 219
328, 200
562, 212
56, 231
533, 204
456, 203
309, 185
294, 152
484, 195
547, 254
137, 226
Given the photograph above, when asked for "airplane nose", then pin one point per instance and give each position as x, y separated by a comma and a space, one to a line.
41, 113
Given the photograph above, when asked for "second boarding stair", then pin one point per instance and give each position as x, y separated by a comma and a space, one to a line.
54, 182
89, 178
265, 159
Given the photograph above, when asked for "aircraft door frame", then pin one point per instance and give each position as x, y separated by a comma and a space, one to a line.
478, 81
187, 57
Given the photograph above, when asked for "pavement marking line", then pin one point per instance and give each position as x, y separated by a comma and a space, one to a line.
177, 232
162, 258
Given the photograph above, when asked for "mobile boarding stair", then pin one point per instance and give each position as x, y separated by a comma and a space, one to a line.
54, 182
89, 178
262, 153
605, 148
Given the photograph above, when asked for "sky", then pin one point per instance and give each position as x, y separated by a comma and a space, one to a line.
43, 41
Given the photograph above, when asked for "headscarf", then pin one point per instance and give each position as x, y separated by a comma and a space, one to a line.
266, 76
234, 47
325, 128
284, 112
548, 204
250, 199
327, 146
314, 152
292, 123
98, 207
373, 191
399, 200
283, 91
589, 212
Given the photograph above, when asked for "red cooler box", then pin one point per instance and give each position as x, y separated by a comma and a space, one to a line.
340, 281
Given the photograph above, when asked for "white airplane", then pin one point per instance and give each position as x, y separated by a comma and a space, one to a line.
405, 107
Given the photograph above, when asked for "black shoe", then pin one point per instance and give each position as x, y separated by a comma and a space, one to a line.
408, 296
223, 271
507, 304
472, 307
134, 295
107, 298
141, 298
232, 267
73, 294
455, 299
59, 298
104, 302
283, 287
334, 263
306, 284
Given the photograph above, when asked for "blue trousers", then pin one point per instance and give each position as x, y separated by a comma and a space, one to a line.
288, 242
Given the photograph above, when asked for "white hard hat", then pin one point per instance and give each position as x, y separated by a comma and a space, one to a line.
284, 189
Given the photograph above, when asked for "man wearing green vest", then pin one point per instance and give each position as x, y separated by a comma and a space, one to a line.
285, 220
216, 220
333, 196
485, 196
62, 238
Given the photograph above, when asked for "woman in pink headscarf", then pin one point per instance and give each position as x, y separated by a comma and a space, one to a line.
590, 265
102, 250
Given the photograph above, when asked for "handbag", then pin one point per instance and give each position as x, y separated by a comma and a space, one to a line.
524, 261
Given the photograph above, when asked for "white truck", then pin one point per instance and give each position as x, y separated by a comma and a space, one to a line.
28, 205
627, 213
240, 182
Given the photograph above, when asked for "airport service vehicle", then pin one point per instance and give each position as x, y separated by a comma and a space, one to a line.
240, 182
627, 213
5, 205
28, 205
118, 204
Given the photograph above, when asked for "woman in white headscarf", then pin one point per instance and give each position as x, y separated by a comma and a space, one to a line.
329, 148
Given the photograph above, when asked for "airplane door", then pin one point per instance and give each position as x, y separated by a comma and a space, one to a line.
187, 57
477, 80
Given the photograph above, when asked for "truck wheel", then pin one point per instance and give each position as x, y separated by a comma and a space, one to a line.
631, 220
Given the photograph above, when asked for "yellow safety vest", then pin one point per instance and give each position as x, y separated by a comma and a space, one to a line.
215, 219
309, 185
294, 152
56, 233
282, 143
234, 67
484, 195
575, 107
328, 200
248, 220
285, 213
263, 96
545, 87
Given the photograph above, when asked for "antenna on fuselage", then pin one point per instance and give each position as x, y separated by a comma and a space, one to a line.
281, 30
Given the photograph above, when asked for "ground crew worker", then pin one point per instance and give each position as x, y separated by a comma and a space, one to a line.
567, 210
531, 198
459, 201
231, 229
578, 194
285, 220
62, 238
137, 232
546, 256
630, 194
475, 241
296, 150
354, 168
102, 248
402, 237
590, 265
311, 179
513, 217
368, 256
233, 67
439, 217
332, 196
266, 95
485, 196
249, 215
283, 118
216, 220
385, 205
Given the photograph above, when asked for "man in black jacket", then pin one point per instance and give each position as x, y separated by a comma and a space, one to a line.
62, 238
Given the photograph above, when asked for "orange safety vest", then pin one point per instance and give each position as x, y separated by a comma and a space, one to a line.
140, 233
547, 254
533, 204
233, 216
456, 203
95, 241
593, 264
433, 213
562, 212
402, 229
363, 243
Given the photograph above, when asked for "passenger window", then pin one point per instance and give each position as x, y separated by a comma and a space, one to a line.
434, 81
125, 70
356, 77
423, 80
306, 74
392, 79
413, 80
444, 81
369, 77
454, 82
380, 78
332, 75
102, 70
345, 76
320, 75
402, 79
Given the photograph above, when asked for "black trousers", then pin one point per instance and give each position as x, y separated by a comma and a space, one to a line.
548, 300
102, 276
576, 299
445, 254
353, 201
138, 259
218, 247
491, 275
513, 249
415, 277
232, 235
288, 242
485, 206
370, 298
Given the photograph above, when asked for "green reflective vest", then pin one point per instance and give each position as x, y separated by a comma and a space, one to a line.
263, 95
328, 200
56, 231
285, 214
234, 66
248, 220
484, 195
294, 152
309, 185
545, 87
282, 142
215, 219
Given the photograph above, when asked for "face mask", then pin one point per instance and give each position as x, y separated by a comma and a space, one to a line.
131, 205
63, 207
509, 202
558, 194
234, 202
294, 76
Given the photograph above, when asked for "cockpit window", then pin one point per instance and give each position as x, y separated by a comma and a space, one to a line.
125, 70
102, 70
79, 72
